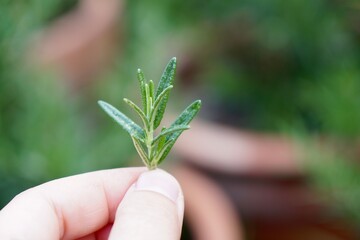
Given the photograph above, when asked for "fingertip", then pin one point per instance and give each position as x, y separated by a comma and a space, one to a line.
161, 182
154, 204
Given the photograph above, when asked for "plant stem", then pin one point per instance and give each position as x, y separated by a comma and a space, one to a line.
149, 146
150, 130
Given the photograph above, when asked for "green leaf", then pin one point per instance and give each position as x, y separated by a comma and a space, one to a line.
141, 78
151, 90
141, 151
148, 100
155, 110
139, 112
166, 80
163, 152
188, 114
127, 124
162, 139
184, 119
169, 131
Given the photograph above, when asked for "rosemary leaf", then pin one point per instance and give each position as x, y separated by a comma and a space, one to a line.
184, 119
166, 80
155, 110
132, 128
141, 151
169, 131
139, 112
141, 79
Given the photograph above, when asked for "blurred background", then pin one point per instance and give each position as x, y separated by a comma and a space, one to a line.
275, 152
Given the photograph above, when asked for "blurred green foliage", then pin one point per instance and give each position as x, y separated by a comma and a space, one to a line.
269, 56
337, 179
277, 66
267, 65
46, 131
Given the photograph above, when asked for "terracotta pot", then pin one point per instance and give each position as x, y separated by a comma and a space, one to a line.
232, 151
228, 174
81, 44
208, 211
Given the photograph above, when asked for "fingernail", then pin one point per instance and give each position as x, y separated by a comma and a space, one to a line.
160, 182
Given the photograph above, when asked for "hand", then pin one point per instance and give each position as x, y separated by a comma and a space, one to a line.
126, 204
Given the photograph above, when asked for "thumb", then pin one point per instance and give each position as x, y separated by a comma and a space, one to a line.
152, 209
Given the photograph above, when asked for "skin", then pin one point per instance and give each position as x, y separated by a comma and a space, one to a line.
108, 204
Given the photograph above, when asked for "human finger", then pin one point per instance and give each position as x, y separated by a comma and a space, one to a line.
67, 208
152, 209
102, 234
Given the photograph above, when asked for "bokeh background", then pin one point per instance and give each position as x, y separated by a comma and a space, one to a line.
275, 151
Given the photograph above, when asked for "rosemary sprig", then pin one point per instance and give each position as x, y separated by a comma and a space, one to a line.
153, 149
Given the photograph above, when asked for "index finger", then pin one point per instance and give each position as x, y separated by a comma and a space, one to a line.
67, 208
